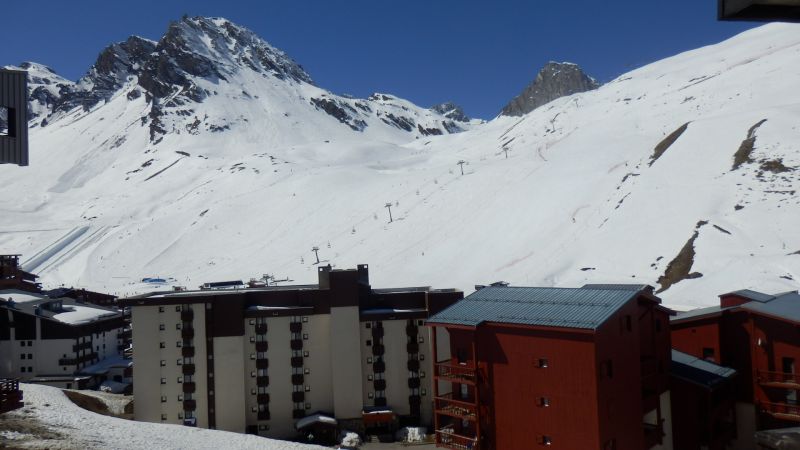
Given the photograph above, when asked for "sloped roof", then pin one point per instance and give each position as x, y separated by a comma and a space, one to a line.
581, 308
698, 313
751, 295
786, 306
698, 371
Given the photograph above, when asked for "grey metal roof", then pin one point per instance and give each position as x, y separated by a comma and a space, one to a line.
751, 295
556, 307
699, 312
698, 371
619, 287
786, 306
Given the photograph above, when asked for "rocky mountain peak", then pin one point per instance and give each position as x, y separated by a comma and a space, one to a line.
451, 111
555, 80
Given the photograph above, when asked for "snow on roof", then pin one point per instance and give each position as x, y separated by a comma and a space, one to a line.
113, 386
314, 418
392, 310
104, 365
79, 428
20, 296
79, 314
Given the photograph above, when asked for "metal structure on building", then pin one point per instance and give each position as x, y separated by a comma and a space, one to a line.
13, 117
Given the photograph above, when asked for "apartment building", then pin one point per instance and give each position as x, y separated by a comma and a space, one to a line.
260, 359
13, 277
52, 340
528, 367
755, 334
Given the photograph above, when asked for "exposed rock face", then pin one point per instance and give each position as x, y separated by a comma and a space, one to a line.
451, 111
555, 80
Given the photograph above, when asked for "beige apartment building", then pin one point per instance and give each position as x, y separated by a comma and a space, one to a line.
258, 360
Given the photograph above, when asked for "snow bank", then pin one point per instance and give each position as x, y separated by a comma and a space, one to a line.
87, 430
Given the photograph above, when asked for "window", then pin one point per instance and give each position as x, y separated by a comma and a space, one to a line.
253, 391
423, 391
305, 336
263, 427
369, 343
160, 309
30, 343
208, 305
305, 319
254, 409
253, 374
420, 323
161, 326
252, 321
308, 405
30, 355
163, 417
421, 357
252, 338
546, 440
369, 377
370, 395
305, 354
369, 359
307, 371
422, 374
22, 343
180, 361
544, 401
163, 399
421, 340
542, 363
252, 356
30, 369
22, 369
177, 326
178, 308
179, 344
368, 325
308, 388
163, 362
180, 397
163, 381
22, 356
180, 379
708, 354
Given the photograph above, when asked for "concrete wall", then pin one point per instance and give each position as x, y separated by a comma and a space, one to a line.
229, 395
347, 367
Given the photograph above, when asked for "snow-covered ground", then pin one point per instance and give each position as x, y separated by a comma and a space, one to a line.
565, 195
50, 420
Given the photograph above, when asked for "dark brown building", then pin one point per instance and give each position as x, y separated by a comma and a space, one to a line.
13, 277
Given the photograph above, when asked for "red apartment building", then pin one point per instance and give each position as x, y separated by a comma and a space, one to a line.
758, 335
524, 367
13, 277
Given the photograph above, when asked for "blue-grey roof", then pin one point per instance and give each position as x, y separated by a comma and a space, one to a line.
619, 287
698, 312
751, 295
555, 307
698, 371
786, 306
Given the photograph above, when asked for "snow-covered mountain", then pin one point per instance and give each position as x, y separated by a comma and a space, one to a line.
681, 174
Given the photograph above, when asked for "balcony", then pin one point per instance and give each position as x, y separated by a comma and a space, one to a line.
10, 395
297, 361
448, 405
187, 352
378, 349
262, 381
452, 371
414, 383
379, 367
379, 385
296, 327
653, 434
262, 363
783, 411
377, 332
262, 346
261, 328
263, 415
189, 388
298, 397
412, 348
779, 379
188, 369
83, 346
412, 330
380, 401
414, 400
187, 315
298, 379
447, 439
413, 365
187, 333
298, 413
79, 360
297, 344
262, 399
189, 405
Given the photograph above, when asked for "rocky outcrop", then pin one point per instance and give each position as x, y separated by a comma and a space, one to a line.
451, 111
555, 80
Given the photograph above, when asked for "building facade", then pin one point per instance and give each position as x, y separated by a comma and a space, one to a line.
51, 340
559, 368
257, 360
13, 277
757, 335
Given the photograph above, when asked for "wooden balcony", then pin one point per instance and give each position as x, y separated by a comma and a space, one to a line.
187, 352
262, 363
379, 385
189, 405
296, 327
413, 365
298, 397
262, 381
298, 413
261, 328
82, 346
188, 369
452, 371
412, 348
414, 383
263, 415
448, 405
447, 439
378, 350
189, 388
779, 379
412, 330
379, 367
377, 332
783, 411
297, 379
187, 333
262, 346
187, 315
262, 398
296, 344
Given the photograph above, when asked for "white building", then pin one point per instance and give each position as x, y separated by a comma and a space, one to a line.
257, 360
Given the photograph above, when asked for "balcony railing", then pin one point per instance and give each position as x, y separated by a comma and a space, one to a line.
413, 365
10, 395
262, 363
297, 361
261, 328
412, 347
262, 346
296, 327
298, 397
378, 349
187, 352
298, 413
778, 379
188, 369
75, 361
379, 367
412, 330
296, 344
187, 315
447, 439
414, 382
189, 405
377, 332
263, 415
446, 404
379, 385
262, 398
189, 388
187, 333
82, 346
785, 411
297, 379
262, 381
455, 372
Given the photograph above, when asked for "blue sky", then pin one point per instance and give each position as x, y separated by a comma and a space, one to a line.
478, 54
